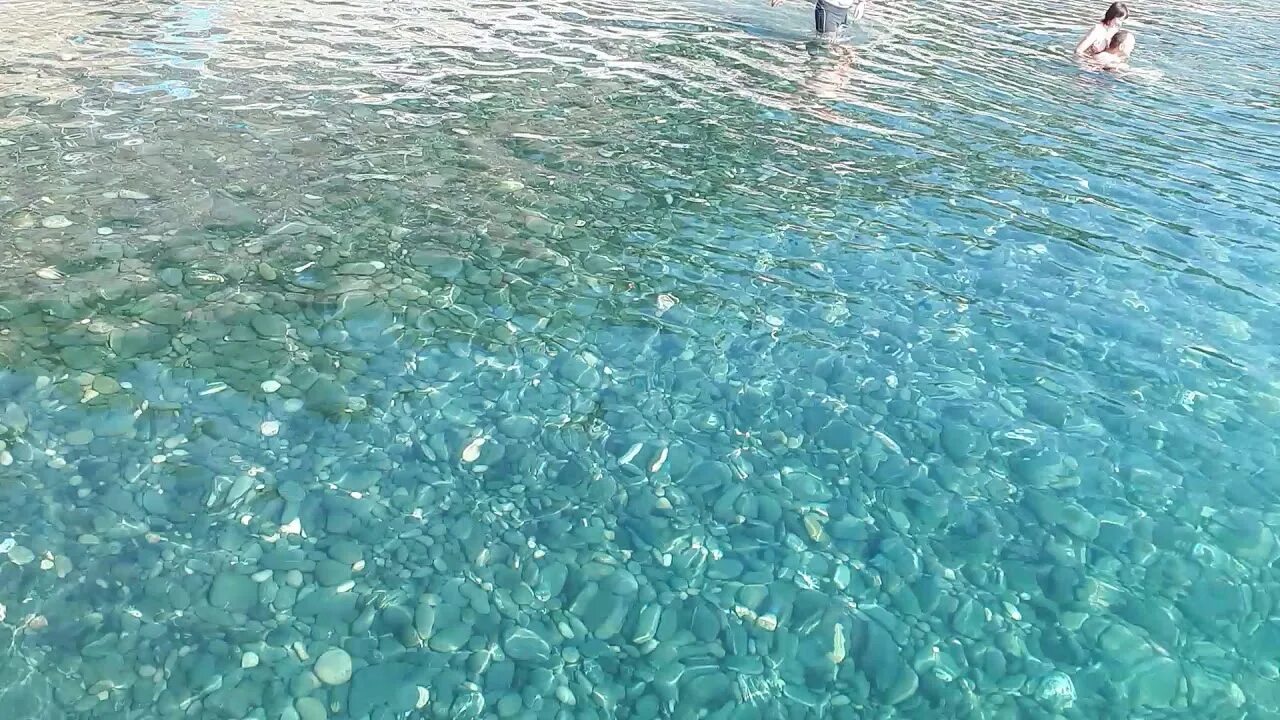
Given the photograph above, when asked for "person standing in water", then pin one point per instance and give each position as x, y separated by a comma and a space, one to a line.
829, 16
1098, 39
1116, 56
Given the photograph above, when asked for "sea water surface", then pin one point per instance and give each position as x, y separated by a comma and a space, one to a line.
586, 359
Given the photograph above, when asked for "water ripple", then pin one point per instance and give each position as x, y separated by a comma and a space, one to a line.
932, 347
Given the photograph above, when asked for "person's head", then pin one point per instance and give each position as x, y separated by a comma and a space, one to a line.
1122, 43
1116, 14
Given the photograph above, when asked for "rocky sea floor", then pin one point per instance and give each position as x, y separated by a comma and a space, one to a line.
484, 400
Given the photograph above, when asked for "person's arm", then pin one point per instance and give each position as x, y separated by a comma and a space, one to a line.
1090, 39
858, 11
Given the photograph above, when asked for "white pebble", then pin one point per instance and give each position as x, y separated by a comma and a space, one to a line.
270, 428
56, 222
105, 231
270, 386
471, 452
249, 660
333, 667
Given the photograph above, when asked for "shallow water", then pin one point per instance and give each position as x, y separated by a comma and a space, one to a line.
602, 359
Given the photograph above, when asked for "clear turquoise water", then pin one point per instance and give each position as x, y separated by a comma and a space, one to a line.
597, 359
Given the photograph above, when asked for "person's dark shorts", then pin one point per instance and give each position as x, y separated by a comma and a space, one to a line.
829, 18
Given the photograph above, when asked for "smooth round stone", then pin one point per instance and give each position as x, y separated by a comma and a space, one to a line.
450, 639
806, 486
397, 617
270, 386
268, 325
839, 435
509, 705
327, 397
576, 370
105, 385
136, 341
424, 620
331, 573
233, 592
346, 551
56, 222
958, 441
21, 555
518, 426
437, 263
539, 225
270, 428
725, 569
310, 708
249, 660
171, 277
360, 268
79, 437
1155, 683
524, 645
904, 687
334, 667
1056, 691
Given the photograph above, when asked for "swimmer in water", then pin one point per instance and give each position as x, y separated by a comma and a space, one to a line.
1099, 38
830, 16
1117, 53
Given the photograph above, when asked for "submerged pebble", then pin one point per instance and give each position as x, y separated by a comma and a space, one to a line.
333, 667
20, 555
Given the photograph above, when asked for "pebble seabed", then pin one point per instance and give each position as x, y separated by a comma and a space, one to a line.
235, 501
341, 447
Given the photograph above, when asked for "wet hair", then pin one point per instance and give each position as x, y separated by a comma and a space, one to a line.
1117, 11
1119, 39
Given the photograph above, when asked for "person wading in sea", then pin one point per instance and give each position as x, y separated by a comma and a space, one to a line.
1116, 56
1098, 39
830, 16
